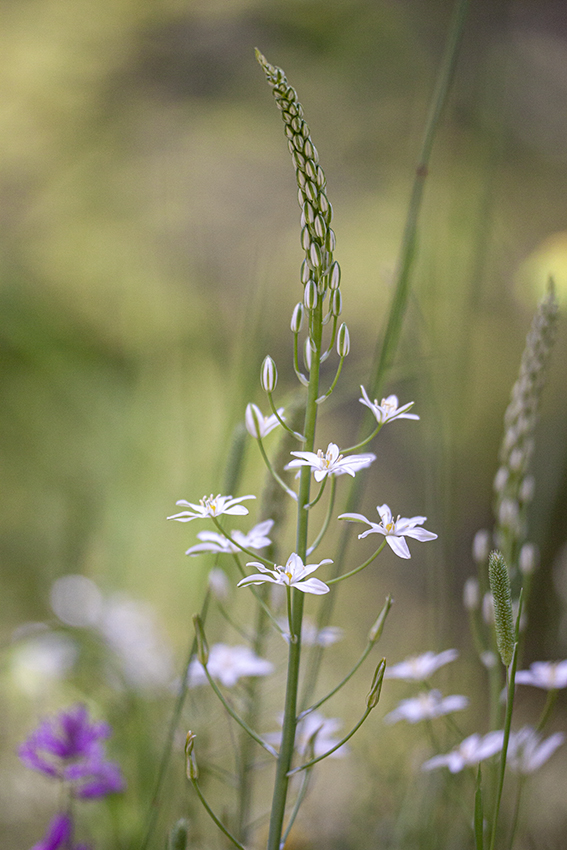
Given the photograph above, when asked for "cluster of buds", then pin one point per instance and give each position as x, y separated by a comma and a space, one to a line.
320, 274
513, 485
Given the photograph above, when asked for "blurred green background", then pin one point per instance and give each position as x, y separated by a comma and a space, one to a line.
150, 259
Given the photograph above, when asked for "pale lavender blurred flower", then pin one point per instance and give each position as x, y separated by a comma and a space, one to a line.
468, 753
211, 506
418, 668
426, 707
294, 574
213, 541
527, 750
69, 747
59, 835
388, 410
395, 531
330, 463
228, 664
544, 674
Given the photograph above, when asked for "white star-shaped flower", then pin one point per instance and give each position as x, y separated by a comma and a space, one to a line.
259, 425
527, 751
418, 668
211, 506
228, 664
388, 410
395, 530
426, 707
214, 541
468, 753
330, 463
550, 675
293, 575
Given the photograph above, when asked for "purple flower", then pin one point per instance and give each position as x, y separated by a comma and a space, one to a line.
59, 834
69, 747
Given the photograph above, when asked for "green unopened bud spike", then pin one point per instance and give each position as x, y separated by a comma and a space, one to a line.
502, 596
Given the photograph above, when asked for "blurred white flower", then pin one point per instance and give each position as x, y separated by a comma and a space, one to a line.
76, 600
130, 629
395, 531
550, 675
418, 668
41, 657
330, 463
211, 506
471, 594
219, 584
468, 753
228, 664
527, 750
481, 546
259, 425
324, 729
213, 541
388, 410
293, 575
426, 707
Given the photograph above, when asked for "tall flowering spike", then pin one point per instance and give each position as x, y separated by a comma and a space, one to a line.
502, 596
317, 237
513, 487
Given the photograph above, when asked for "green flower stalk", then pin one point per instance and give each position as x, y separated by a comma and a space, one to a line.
503, 616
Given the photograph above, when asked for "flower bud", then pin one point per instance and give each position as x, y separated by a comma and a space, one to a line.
481, 546
527, 560
335, 276
336, 302
202, 646
319, 226
190, 760
310, 295
527, 488
308, 351
309, 213
305, 272
305, 239
503, 617
501, 479
343, 341
268, 375
310, 168
376, 686
331, 240
471, 594
297, 318
376, 631
178, 835
315, 256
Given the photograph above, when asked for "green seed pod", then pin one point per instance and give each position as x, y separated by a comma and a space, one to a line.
376, 686
268, 375
502, 596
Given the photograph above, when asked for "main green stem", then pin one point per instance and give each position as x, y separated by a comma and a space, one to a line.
290, 709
